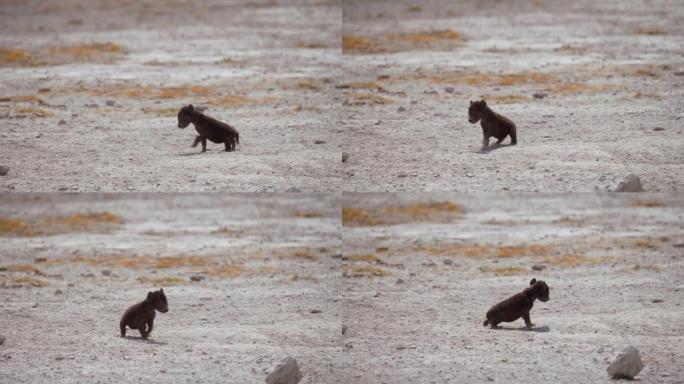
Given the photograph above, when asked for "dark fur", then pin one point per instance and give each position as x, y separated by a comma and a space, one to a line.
518, 305
141, 316
493, 124
208, 128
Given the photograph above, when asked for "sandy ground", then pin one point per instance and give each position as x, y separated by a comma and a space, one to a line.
612, 71
419, 282
89, 93
67, 275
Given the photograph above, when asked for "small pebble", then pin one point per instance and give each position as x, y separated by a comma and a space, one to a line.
344, 330
106, 272
401, 109
3, 170
540, 95
110, 103
58, 292
658, 129
448, 261
656, 301
345, 157
449, 89
196, 278
319, 142
400, 281
315, 311
62, 122
538, 267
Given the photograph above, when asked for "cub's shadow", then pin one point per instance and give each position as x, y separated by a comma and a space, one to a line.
148, 341
541, 329
494, 147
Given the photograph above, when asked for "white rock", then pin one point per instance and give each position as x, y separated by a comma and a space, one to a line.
626, 365
631, 183
286, 372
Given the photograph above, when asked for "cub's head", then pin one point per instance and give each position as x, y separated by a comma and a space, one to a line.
184, 116
540, 289
158, 300
476, 110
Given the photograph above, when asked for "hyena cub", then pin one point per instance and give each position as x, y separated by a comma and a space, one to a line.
518, 305
208, 128
141, 316
493, 124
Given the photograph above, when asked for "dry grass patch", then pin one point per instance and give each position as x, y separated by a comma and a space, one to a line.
359, 99
485, 251
311, 45
25, 268
80, 221
166, 281
425, 38
647, 204
162, 112
362, 85
363, 271
23, 281
32, 99
648, 31
12, 226
360, 44
506, 99
390, 215
503, 271
13, 56
86, 52
366, 257
307, 214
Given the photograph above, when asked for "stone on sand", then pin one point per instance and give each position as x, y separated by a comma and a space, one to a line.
286, 372
631, 183
626, 365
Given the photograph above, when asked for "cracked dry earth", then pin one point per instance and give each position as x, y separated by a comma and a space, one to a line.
421, 271
89, 95
242, 275
610, 75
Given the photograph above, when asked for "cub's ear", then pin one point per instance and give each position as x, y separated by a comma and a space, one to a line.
149, 295
472, 102
533, 281
483, 102
161, 290
190, 107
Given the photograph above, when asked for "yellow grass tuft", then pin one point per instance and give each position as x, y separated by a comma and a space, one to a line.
388, 215
423, 38
517, 251
31, 112
225, 271
363, 271
359, 217
26, 268
166, 281
23, 281
503, 271
83, 220
307, 214
360, 44
311, 45
422, 211
506, 99
86, 52
365, 257
648, 31
12, 226
648, 204
366, 99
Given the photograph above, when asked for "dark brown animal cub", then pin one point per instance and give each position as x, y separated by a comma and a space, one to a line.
518, 305
141, 316
493, 124
208, 128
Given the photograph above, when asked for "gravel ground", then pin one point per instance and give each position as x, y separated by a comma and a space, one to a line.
89, 95
609, 74
420, 282
265, 264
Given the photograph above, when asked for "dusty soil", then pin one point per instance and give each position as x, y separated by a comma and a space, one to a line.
70, 266
612, 72
89, 94
422, 270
